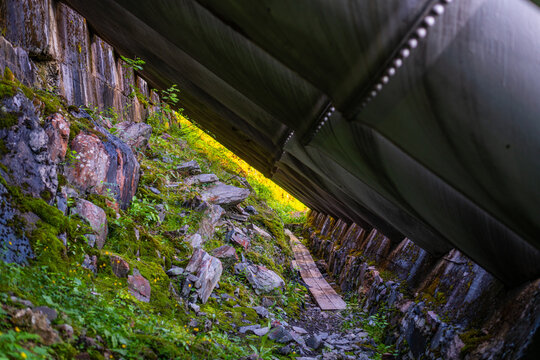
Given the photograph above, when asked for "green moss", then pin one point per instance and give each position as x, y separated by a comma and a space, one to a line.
62, 181
472, 338
433, 295
7, 90
8, 119
8, 75
3, 148
52, 103
101, 201
46, 195
64, 351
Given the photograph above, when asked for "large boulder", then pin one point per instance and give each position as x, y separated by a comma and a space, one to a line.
208, 270
29, 151
263, 279
135, 134
225, 195
96, 217
209, 220
105, 165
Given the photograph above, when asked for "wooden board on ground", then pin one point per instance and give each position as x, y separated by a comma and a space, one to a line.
324, 294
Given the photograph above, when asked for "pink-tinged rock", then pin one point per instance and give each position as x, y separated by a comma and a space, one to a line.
208, 270
119, 266
57, 129
96, 218
241, 239
258, 231
134, 134
225, 252
263, 279
88, 171
209, 220
225, 195
139, 287
104, 164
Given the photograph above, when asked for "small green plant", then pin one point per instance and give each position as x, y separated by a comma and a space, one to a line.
11, 346
145, 210
136, 64
263, 351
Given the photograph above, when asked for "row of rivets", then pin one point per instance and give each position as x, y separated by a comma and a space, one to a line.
288, 138
325, 117
405, 52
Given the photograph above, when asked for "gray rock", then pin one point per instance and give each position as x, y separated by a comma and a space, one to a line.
91, 239
154, 190
361, 356
261, 311
251, 210
195, 307
50, 313
258, 231
208, 223
263, 279
96, 217
135, 134
267, 302
175, 271
90, 263
240, 267
32, 152
280, 334
262, 331
299, 330
26, 303
201, 179
323, 335
162, 212
285, 350
66, 331
314, 342
208, 270
190, 167
195, 240
225, 195
244, 329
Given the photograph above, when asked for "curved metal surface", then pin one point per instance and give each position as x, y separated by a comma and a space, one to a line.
418, 117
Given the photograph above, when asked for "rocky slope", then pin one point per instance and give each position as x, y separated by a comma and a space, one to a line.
118, 243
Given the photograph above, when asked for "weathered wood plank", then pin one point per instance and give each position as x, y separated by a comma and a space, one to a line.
324, 294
